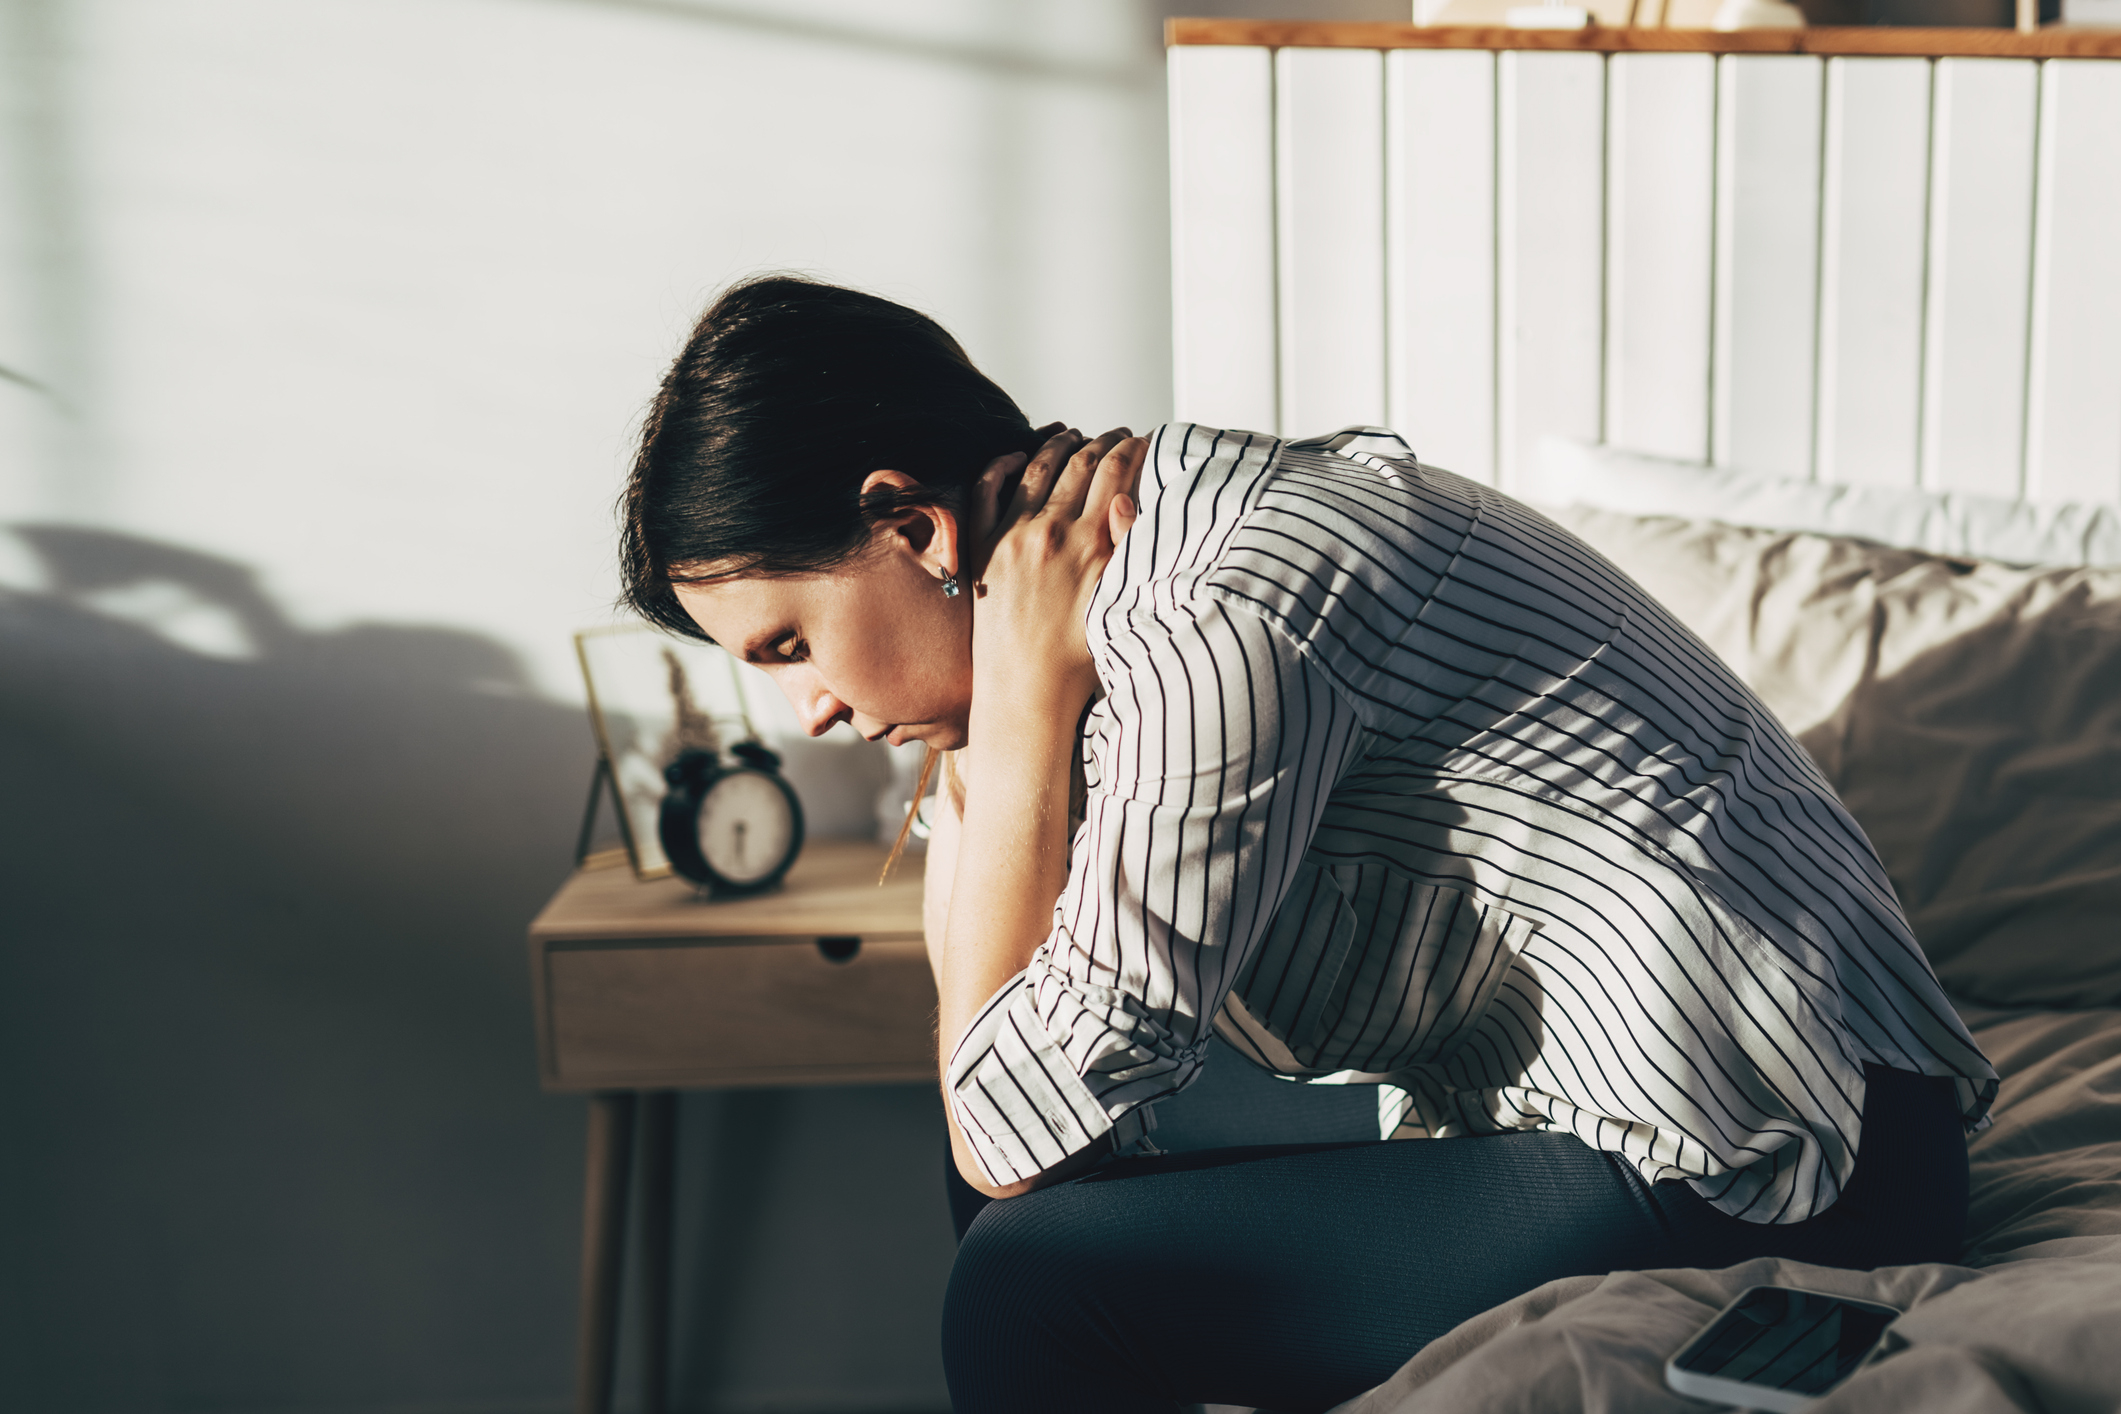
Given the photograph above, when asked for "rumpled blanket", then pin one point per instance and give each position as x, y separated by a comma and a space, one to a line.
2031, 1319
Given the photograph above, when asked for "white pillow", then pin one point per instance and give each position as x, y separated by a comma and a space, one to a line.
1968, 713
1944, 523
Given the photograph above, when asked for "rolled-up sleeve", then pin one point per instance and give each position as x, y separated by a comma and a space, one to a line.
1209, 762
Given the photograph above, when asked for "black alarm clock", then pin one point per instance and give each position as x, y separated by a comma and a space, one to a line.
734, 829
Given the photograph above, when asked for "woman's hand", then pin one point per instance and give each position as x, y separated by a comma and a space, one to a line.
1015, 486
1071, 506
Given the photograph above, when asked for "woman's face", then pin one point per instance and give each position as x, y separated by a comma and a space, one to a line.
874, 642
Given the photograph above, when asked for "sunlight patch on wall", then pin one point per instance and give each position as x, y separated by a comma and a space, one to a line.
177, 613
21, 570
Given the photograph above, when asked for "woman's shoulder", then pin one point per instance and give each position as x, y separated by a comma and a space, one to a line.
1181, 453
1248, 520
1185, 455
1212, 497
1324, 538
1197, 488
1187, 445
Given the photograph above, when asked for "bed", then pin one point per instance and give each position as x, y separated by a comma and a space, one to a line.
1823, 348
1969, 712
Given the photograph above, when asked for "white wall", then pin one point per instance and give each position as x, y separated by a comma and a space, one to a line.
367, 294
327, 323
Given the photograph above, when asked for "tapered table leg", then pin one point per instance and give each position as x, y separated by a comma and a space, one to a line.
603, 1247
659, 1124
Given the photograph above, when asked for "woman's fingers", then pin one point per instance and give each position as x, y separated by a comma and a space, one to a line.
1120, 517
984, 511
1073, 486
1114, 480
1040, 473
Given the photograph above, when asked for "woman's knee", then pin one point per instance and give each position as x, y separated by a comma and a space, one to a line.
987, 1281
1036, 1300
1024, 1265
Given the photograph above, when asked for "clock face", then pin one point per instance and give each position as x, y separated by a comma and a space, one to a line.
746, 826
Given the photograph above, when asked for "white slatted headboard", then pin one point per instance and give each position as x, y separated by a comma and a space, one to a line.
1897, 269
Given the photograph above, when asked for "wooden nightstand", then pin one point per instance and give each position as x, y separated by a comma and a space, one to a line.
641, 990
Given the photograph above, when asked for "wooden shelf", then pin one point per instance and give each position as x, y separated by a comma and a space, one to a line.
2055, 42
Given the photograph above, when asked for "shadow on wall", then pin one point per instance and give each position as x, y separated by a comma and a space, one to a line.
276, 1140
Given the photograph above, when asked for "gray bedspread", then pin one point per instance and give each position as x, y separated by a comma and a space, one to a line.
2031, 1320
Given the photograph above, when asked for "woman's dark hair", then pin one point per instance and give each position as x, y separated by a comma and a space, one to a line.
787, 395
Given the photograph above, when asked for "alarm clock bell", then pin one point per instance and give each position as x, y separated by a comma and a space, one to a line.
730, 828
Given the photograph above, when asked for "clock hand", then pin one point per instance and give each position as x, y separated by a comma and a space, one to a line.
740, 842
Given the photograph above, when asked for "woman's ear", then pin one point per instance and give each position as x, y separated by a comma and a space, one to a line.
929, 533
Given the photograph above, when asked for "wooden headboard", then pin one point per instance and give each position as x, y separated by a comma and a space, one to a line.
1884, 257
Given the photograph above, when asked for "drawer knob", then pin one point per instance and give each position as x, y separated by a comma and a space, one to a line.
839, 949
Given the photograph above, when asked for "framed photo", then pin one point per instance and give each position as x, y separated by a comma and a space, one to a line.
650, 697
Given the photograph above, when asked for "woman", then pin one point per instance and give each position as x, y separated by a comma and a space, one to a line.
1387, 779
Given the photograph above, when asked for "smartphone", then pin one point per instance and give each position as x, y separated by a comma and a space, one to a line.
1778, 1348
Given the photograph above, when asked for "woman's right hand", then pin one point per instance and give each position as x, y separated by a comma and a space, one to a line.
1013, 487
1031, 599
1006, 480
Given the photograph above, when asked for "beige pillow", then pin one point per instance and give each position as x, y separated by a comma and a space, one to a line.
1968, 712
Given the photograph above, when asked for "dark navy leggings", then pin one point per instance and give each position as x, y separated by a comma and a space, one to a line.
1292, 1277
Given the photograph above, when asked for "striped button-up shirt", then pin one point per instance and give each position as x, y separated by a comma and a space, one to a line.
1394, 780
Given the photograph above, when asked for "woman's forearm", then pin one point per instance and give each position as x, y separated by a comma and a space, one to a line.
1012, 848
1012, 862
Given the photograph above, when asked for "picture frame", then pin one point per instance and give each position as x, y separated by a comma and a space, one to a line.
652, 695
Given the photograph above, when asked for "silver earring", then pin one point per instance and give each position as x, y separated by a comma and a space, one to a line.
950, 586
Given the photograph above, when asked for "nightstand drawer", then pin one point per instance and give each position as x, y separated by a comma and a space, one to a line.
670, 1014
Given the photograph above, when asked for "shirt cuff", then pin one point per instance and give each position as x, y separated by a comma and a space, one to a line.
1017, 1097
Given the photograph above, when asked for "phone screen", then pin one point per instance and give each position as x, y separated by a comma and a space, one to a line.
1798, 1341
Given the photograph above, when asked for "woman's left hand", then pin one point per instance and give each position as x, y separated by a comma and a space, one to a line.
1050, 544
